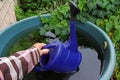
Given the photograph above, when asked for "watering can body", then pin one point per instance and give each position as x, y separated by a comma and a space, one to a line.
60, 58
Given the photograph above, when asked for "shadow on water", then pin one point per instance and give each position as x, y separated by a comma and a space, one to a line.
89, 69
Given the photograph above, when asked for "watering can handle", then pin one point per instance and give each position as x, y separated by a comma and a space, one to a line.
39, 69
53, 45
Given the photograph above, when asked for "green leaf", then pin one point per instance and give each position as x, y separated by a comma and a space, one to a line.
59, 25
65, 31
118, 75
94, 12
62, 10
108, 7
42, 31
81, 4
99, 2
105, 3
116, 35
109, 26
112, 18
100, 23
113, 7
101, 13
54, 21
60, 16
54, 13
57, 31
45, 20
64, 23
83, 19
117, 26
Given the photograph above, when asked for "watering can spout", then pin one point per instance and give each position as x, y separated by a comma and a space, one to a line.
74, 10
72, 42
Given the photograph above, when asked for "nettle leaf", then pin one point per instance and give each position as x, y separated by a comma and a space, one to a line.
66, 8
116, 23
59, 25
45, 20
119, 73
92, 19
54, 13
101, 13
113, 7
64, 23
57, 31
117, 26
60, 16
81, 4
108, 26
54, 21
112, 17
99, 2
105, 3
42, 31
47, 27
85, 9
116, 2
94, 12
83, 19
112, 1
116, 35
67, 16
63, 9
100, 23
108, 7
91, 6
64, 32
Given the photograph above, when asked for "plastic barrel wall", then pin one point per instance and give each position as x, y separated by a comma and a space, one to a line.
14, 32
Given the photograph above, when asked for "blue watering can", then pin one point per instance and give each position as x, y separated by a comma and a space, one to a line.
63, 57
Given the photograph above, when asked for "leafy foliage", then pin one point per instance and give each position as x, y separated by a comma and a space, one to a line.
103, 13
29, 8
58, 22
27, 42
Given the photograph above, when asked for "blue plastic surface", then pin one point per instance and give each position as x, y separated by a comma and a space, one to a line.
62, 57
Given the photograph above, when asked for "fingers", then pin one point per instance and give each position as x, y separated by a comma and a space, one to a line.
44, 51
39, 46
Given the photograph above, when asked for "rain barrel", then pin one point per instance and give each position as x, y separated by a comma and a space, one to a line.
22, 28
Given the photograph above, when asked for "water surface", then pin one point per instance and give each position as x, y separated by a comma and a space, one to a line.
89, 69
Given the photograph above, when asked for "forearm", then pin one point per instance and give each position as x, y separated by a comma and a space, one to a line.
19, 64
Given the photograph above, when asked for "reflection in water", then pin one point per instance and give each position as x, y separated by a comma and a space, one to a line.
90, 66
49, 75
89, 69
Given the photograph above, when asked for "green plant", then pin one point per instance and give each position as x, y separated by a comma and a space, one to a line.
29, 8
27, 42
19, 13
58, 23
103, 13
111, 26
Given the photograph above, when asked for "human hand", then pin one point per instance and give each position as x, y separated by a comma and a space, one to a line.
39, 46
